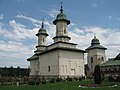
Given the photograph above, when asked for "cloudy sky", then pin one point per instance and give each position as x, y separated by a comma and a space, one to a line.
20, 20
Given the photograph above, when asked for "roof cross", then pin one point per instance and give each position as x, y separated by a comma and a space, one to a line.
61, 10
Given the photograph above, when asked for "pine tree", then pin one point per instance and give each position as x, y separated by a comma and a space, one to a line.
97, 75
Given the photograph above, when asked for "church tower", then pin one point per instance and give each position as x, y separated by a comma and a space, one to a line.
61, 23
42, 34
96, 55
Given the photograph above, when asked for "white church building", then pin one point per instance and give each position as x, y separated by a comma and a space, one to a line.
60, 59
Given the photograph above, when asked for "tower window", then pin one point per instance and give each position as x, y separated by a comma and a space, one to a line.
102, 59
43, 40
91, 59
64, 30
48, 68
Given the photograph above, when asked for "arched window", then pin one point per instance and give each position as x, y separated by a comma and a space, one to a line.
43, 40
91, 59
102, 59
48, 68
65, 31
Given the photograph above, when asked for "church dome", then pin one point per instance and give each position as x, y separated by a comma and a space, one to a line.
61, 17
95, 44
42, 31
95, 41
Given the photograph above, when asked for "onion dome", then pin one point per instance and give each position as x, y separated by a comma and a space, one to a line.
61, 17
42, 30
95, 41
95, 44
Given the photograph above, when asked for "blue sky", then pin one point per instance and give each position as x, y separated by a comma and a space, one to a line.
21, 19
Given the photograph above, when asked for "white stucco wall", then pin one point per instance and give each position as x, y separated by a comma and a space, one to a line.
47, 60
71, 63
97, 55
61, 62
33, 67
61, 28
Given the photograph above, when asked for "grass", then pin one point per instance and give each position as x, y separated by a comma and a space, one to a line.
58, 86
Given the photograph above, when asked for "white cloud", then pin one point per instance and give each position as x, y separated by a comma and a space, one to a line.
19, 32
12, 52
53, 13
1, 17
28, 18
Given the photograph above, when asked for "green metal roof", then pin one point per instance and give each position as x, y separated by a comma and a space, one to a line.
95, 44
111, 63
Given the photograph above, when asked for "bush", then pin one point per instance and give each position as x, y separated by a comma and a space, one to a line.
58, 79
75, 78
83, 77
43, 82
118, 78
37, 83
110, 78
52, 80
97, 75
69, 79
31, 82
80, 79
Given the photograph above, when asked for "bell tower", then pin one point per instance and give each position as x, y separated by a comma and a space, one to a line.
61, 23
95, 55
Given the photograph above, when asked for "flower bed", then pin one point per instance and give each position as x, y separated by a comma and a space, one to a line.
97, 85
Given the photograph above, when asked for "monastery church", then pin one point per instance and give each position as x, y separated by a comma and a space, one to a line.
62, 58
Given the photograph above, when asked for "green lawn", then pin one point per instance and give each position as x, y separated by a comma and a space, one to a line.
57, 86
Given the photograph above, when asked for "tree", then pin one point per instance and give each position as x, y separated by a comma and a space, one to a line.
97, 75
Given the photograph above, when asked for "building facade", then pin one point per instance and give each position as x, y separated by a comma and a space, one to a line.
111, 68
60, 59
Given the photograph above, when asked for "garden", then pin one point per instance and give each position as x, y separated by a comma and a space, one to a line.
63, 85
76, 83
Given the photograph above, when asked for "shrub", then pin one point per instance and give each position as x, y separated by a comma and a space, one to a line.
43, 82
58, 79
31, 82
75, 78
97, 75
110, 78
52, 80
83, 77
80, 79
37, 83
118, 78
69, 79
